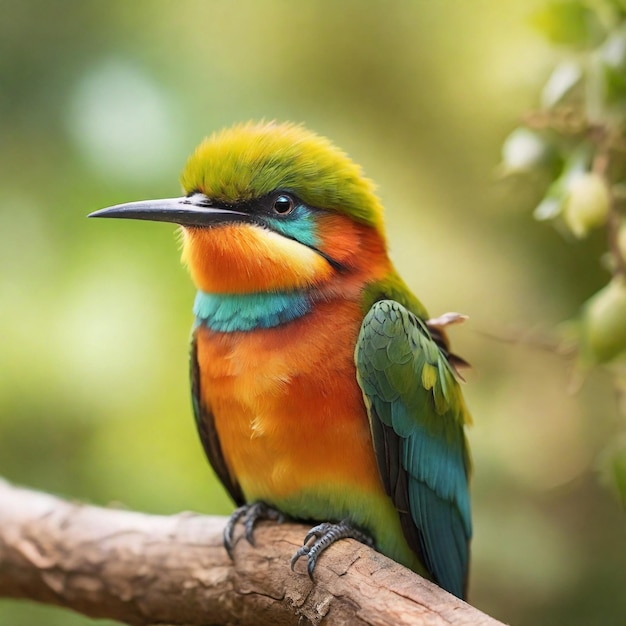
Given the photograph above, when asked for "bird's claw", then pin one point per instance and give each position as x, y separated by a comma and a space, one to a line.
323, 536
300, 552
249, 514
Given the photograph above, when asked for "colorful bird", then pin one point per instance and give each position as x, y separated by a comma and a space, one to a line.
321, 389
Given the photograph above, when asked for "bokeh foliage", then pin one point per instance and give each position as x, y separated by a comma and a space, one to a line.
576, 141
101, 102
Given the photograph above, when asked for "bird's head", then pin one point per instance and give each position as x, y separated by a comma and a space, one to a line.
270, 207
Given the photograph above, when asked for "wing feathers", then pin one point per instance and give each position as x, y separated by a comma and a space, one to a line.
417, 417
207, 431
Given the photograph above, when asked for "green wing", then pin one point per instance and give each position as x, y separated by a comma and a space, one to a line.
417, 418
205, 423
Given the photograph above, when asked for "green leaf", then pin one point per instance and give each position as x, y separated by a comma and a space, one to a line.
619, 472
615, 85
524, 150
554, 201
619, 6
548, 208
612, 465
564, 78
569, 23
612, 56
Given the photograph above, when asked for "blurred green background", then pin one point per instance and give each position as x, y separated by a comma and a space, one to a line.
101, 102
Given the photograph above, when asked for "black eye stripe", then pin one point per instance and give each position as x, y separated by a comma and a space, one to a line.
276, 204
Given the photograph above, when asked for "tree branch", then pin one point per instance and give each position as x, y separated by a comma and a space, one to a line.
148, 569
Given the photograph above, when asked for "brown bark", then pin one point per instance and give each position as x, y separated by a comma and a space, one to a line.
147, 569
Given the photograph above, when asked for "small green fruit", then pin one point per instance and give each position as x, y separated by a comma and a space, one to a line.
587, 204
604, 323
621, 240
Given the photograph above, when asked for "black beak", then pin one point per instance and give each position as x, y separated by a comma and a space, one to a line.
194, 210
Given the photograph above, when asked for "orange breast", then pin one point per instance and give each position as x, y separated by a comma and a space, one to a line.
288, 410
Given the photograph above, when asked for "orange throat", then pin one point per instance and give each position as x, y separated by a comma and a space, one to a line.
244, 258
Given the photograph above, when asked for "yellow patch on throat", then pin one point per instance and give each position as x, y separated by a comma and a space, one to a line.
245, 258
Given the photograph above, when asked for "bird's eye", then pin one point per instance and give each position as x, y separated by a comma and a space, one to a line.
283, 204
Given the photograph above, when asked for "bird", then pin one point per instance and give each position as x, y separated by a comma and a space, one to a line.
322, 390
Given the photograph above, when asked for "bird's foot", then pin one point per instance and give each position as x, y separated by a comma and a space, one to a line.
323, 536
249, 515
